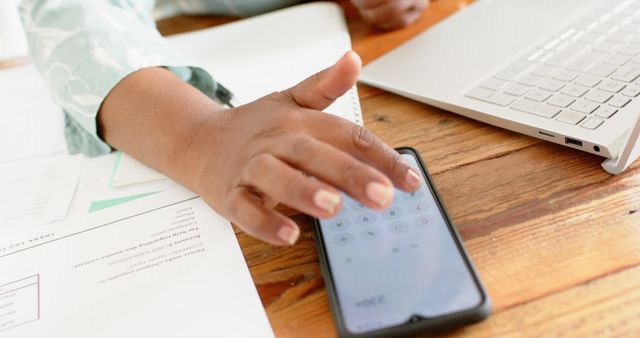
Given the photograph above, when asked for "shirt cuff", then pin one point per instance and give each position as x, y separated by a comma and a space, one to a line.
87, 85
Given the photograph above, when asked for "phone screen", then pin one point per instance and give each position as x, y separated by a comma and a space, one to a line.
389, 266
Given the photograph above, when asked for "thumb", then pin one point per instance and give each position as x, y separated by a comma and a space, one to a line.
320, 89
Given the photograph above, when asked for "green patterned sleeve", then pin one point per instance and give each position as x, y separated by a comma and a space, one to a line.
84, 48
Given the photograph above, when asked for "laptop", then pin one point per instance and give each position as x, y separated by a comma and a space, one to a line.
565, 71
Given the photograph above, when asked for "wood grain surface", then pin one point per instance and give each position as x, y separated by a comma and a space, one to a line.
555, 239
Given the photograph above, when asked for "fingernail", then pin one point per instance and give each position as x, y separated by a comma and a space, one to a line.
413, 179
326, 200
289, 234
352, 54
379, 193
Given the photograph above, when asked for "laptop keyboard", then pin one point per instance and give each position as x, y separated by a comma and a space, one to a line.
583, 76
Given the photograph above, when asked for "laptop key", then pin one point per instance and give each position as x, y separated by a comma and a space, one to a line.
620, 37
565, 75
599, 96
616, 59
605, 112
542, 70
605, 46
551, 44
551, 85
627, 73
631, 27
568, 33
529, 80
535, 54
592, 123
602, 70
538, 95
631, 91
567, 53
611, 86
536, 108
585, 61
513, 70
571, 117
584, 106
574, 90
619, 101
629, 49
560, 100
490, 96
493, 84
515, 89
605, 28
591, 37
587, 81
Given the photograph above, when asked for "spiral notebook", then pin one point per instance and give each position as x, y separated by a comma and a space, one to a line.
256, 56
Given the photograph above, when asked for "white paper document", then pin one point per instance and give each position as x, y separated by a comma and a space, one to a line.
36, 190
13, 42
31, 123
95, 191
130, 171
155, 268
37, 177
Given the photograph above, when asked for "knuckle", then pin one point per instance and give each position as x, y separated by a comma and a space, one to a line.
301, 147
253, 226
254, 220
362, 139
285, 98
256, 165
316, 78
297, 189
350, 176
259, 221
278, 97
232, 203
397, 164
261, 161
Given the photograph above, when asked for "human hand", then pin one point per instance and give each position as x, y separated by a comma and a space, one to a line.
282, 149
390, 14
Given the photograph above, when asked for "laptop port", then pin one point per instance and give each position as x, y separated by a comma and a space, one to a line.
545, 134
572, 141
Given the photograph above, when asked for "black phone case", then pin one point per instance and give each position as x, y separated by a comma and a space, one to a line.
425, 325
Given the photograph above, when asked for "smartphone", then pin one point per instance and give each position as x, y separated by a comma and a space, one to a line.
401, 271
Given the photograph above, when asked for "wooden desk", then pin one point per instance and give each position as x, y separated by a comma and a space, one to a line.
556, 239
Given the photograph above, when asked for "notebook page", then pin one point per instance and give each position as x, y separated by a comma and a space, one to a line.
274, 51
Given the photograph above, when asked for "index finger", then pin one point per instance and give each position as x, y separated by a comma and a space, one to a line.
367, 147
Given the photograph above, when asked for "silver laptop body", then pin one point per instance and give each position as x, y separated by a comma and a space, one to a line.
565, 71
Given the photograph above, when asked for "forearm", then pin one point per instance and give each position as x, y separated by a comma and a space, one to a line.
153, 116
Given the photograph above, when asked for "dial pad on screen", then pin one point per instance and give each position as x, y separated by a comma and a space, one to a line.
356, 223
